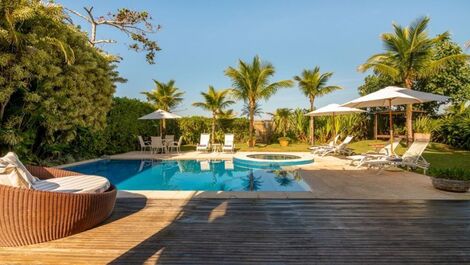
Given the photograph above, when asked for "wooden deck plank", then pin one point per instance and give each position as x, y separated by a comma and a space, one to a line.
249, 231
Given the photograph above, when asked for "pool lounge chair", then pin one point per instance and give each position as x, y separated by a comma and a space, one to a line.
412, 158
228, 143
176, 146
386, 151
157, 144
339, 149
143, 145
331, 144
77, 203
203, 142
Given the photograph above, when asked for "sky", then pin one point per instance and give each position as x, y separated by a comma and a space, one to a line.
200, 39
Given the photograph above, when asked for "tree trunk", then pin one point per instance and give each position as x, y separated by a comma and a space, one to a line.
213, 128
312, 122
2, 110
164, 127
409, 115
252, 124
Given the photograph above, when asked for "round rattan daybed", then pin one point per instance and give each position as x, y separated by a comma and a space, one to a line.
31, 216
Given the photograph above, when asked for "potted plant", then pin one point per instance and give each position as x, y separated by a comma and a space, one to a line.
423, 127
283, 141
450, 179
282, 120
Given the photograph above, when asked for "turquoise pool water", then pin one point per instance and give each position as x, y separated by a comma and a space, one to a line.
193, 175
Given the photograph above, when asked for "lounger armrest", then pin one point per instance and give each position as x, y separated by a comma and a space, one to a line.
49, 172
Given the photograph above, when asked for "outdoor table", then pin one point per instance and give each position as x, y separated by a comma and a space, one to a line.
216, 148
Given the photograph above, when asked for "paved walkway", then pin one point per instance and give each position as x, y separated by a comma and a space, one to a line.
248, 231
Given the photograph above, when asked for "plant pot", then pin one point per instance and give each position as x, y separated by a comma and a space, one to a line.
422, 136
284, 143
450, 184
254, 142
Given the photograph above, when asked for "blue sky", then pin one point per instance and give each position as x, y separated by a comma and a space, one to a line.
199, 39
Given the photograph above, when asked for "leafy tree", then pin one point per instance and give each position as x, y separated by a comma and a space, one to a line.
251, 83
452, 81
215, 102
300, 124
165, 96
135, 24
409, 56
257, 111
282, 119
312, 83
56, 83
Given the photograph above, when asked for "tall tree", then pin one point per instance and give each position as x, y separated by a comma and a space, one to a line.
408, 56
215, 102
135, 24
251, 84
165, 96
313, 84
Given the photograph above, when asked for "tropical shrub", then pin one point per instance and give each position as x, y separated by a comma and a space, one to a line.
450, 173
455, 130
425, 124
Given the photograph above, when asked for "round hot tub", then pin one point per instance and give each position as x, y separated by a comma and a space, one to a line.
272, 159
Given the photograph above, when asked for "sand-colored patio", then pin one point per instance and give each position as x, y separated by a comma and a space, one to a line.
329, 178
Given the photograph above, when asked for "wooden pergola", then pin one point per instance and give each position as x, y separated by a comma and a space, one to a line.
386, 112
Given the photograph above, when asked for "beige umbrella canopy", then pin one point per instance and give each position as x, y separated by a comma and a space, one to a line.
160, 115
333, 109
390, 96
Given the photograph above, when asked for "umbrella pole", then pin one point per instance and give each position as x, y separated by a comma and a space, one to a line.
391, 125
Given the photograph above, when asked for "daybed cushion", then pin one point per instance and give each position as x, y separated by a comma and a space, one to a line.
74, 184
14, 173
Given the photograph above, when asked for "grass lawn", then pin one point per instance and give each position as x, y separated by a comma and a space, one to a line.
439, 155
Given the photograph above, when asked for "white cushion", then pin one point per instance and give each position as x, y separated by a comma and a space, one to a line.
74, 184
14, 173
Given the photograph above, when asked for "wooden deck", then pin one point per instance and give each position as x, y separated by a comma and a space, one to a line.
217, 231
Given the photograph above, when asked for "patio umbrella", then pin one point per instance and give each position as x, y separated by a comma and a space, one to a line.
390, 96
333, 109
160, 115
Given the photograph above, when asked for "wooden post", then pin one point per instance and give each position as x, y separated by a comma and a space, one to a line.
375, 125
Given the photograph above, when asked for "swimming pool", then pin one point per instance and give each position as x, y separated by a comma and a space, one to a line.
192, 175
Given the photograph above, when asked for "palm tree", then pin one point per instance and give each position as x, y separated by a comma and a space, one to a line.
251, 83
216, 102
164, 96
409, 56
312, 83
282, 120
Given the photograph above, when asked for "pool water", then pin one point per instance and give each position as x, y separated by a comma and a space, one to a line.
192, 175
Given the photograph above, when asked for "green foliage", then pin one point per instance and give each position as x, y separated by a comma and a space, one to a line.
455, 129
425, 124
251, 83
192, 127
452, 81
215, 102
282, 120
450, 173
165, 96
55, 82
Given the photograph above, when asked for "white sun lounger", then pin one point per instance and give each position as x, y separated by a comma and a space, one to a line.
228, 143
339, 149
412, 158
332, 143
203, 142
386, 151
